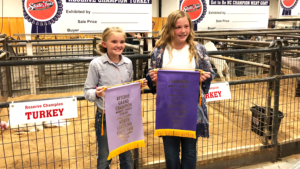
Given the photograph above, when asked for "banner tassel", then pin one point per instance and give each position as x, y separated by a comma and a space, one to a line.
201, 73
175, 132
126, 147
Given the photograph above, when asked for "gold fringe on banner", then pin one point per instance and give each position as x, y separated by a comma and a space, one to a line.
126, 147
175, 132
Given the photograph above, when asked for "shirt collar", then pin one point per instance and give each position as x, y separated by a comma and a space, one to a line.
105, 59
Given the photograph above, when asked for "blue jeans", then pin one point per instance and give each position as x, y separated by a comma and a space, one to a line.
126, 161
188, 154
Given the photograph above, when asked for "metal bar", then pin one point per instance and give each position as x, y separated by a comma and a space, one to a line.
54, 43
8, 80
94, 46
290, 47
131, 46
282, 35
42, 56
98, 38
45, 61
290, 148
79, 97
241, 61
276, 100
97, 52
246, 46
237, 30
284, 19
246, 81
246, 33
240, 51
269, 99
88, 59
234, 41
136, 158
63, 60
134, 69
50, 40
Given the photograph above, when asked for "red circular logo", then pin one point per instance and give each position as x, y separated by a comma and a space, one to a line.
41, 10
288, 3
193, 7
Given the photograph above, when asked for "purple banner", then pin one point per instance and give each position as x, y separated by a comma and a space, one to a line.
177, 100
112, 1
240, 2
123, 118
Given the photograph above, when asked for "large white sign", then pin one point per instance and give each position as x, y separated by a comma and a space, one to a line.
289, 7
87, 16
227, 14
39, 111
218, 91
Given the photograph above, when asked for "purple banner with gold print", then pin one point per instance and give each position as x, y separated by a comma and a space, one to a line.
176, 104
123, 119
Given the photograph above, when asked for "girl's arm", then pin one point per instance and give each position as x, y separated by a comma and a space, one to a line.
90, 83
206, 66
151, 84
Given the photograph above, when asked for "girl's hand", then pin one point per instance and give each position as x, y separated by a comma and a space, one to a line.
144, 83
205, 75
138, 37
153, 76
99, 91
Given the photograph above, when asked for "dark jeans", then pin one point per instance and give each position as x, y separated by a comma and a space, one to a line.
126, 161
188, 154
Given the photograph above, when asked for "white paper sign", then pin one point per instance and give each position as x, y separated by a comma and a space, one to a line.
289, 7
218, 91
39, 111
87, 16
227, 14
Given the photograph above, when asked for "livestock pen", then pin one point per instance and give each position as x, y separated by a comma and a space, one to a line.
231, 123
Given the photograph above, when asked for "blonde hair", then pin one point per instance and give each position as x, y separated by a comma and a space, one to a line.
105, 35
167, 34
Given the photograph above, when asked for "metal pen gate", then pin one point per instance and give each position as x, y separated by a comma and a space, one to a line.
233, 140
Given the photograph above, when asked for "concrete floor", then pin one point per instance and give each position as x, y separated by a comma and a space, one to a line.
291, 162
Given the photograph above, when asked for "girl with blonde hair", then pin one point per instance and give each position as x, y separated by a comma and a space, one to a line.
176, 49
110, 69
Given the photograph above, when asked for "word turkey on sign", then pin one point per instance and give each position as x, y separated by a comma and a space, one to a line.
44, 114
215, 94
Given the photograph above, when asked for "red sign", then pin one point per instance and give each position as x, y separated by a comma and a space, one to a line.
41, 10
288, 3
193, 7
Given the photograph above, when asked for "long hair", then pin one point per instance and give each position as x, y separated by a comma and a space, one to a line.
167, 34
106, 33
